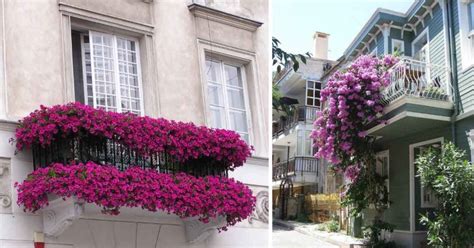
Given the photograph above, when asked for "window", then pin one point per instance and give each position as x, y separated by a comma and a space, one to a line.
428, 199
374, 52
304, 145
313, 94
471, 16
466, 26
398, 47
421, 47
107, 71
226, 97
382, 167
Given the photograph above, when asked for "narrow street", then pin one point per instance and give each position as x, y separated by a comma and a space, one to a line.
285, 238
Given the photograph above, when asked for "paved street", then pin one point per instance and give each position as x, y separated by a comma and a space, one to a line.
285, 238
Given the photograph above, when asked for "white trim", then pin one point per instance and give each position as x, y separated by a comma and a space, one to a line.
411, 148
402, 42
467, 60
382, 154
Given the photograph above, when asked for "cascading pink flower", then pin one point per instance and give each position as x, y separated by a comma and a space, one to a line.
145, 135
353, 101
180, 194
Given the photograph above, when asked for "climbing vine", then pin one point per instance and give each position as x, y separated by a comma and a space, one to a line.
353, 102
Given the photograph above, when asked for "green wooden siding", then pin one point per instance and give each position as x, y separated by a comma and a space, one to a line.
465, 78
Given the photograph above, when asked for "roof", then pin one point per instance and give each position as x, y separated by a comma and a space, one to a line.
385, 16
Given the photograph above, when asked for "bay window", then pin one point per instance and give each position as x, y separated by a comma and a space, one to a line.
226, 96
107, 71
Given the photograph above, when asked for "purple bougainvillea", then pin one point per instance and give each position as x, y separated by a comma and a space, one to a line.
353, 101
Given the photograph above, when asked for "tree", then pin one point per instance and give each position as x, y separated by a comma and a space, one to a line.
282, 58
451, 178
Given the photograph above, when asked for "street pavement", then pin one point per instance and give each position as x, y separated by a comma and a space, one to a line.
286, 238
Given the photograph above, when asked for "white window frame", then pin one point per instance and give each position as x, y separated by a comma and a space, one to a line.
374, 51
241, 67
116, 69
466, 35
424, 33
412, 178
304, 139
402, 47
314, 97
384, 154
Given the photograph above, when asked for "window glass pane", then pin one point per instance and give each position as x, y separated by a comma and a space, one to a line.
318, 85
103, 69
213, 71
238, 121
215, 94
310, 84
310, 93
217, 117
232, 75
471, 16
128, 73
300, 143
307, 144
236, 98
309, 102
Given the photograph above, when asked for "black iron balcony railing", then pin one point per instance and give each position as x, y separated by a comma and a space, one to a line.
294, 166
301, 114
110, 152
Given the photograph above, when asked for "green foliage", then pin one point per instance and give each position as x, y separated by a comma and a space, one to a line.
282, 58
451, 178
373, 234
368, 189
333, 226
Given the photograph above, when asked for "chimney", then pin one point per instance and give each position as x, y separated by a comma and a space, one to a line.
320, 45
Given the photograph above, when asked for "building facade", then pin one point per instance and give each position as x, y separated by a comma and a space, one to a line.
428, 102
199, 61
293, 159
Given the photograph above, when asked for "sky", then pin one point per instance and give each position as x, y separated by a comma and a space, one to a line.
295, 21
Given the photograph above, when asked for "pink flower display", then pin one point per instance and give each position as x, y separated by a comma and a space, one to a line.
353, 101
145, 135
180, 194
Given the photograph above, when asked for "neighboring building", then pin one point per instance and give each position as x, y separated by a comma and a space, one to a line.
429, 100
196, 61
293, 154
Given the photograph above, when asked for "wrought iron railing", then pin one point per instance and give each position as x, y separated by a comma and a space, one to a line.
294, 166
301, 114
111, 152
415, 78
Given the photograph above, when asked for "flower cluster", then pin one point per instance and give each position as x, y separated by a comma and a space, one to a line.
181, 194
184, 141
353, 100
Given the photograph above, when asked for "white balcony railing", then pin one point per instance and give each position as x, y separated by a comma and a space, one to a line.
414, 78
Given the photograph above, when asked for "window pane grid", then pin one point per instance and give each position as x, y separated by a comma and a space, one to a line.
226, 97
114, 65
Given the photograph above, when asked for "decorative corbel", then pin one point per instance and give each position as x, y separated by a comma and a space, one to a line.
197, 231
60, 214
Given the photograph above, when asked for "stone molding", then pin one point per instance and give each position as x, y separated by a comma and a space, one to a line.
5, 186
223, 17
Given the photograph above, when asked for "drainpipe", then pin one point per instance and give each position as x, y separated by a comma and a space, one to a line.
453, 66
